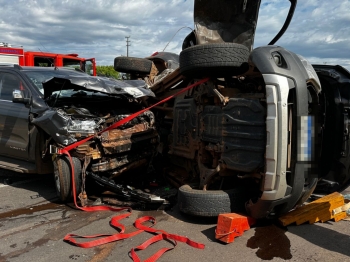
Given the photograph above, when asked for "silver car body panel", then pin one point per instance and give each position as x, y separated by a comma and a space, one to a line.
277, 89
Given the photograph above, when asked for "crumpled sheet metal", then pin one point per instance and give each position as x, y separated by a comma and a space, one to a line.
55, 124
231, 21
135, 88
171, 59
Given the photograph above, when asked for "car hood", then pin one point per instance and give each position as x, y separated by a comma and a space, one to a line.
134, 88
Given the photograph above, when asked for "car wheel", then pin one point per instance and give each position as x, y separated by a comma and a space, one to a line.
63, 177
219, 60
132, 65
211, 203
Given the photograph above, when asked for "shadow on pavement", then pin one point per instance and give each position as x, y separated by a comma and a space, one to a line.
270, 241
210, 234
36, 186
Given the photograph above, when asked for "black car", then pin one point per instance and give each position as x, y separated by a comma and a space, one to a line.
43, 110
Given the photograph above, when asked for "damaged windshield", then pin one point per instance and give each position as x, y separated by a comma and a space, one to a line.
69, 83
40, 76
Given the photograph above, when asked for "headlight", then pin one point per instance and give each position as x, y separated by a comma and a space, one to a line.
134, 92
82, 128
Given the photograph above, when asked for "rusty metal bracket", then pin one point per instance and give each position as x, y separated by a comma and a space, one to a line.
223, 99
169, 81
206, 174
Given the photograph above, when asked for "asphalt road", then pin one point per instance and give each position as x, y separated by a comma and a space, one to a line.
33, 224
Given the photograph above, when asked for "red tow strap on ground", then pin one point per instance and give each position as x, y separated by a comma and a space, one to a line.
104, 238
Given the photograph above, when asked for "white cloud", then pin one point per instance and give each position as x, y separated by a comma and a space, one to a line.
319, 29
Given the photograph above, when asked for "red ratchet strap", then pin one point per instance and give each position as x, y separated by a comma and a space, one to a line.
105, 238
160, 235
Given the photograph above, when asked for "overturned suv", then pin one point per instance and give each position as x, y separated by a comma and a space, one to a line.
44, 110
255, 136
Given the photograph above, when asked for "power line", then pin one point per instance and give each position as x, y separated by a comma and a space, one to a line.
127, 45
175, 35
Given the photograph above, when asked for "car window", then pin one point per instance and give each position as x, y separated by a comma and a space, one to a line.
8, 83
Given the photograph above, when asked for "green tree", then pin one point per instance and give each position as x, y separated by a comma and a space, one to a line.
107, 71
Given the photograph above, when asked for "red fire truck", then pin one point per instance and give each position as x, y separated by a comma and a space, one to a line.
17, 55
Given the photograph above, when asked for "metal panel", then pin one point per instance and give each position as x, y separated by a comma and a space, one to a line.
9, 59
277, 89
239, 129
185, 129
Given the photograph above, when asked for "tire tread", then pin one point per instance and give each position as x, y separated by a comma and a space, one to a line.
211, 203
132, 65
214, 59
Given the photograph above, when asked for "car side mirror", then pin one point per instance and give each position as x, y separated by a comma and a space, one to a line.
18, 97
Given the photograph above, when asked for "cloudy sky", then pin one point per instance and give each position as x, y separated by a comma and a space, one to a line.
320, 29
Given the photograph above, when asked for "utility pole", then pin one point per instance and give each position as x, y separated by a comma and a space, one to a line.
127, 45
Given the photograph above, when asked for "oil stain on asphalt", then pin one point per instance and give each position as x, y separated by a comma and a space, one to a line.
55, 227
271, 242
31, 210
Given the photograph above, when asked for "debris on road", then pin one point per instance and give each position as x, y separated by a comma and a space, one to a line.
232, 225
323, 209
341, 209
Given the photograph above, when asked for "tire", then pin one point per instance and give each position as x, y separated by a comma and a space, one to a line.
63, 177
211, 203
132, 65
219, 60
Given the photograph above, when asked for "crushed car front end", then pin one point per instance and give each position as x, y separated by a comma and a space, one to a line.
80, 116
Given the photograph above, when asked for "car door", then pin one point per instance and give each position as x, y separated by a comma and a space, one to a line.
14, 118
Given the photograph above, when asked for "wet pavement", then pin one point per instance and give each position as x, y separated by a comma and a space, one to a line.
33, 224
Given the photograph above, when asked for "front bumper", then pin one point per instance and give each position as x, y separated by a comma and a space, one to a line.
284, 188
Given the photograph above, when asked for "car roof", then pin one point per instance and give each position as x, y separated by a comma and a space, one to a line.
38, 68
